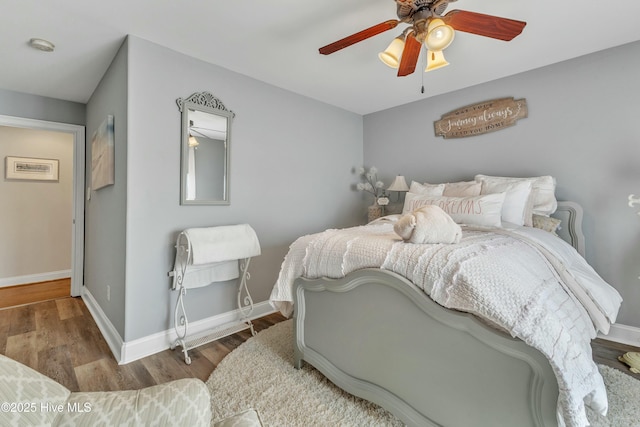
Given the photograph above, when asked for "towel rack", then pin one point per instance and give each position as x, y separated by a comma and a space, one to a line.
217, 271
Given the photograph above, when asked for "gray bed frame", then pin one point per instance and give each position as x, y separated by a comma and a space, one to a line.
379, 337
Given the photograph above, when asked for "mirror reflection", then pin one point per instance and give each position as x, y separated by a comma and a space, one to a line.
205, 150
207, 157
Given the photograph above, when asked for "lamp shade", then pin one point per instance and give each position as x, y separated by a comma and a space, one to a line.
435, 60
391, 55
439, 35
399, 184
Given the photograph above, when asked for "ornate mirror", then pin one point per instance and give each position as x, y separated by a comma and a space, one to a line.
205, 150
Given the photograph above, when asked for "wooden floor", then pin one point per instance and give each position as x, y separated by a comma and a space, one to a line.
60, 339
11, 296
607, 352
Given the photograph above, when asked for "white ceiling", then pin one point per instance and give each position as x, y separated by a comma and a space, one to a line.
277, 42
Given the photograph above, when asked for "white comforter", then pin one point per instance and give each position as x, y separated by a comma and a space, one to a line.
522, 279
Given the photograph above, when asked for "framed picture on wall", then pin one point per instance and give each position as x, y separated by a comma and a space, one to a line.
32, 169
102, 155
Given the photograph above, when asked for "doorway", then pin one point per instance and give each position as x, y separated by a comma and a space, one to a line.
76, 169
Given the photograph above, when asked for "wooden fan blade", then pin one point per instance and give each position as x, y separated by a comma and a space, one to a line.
359, 36
410, 55
484, 25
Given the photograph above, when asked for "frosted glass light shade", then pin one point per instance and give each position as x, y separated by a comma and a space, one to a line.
391, 55
399, 184
193, 142
439, 35
435, 60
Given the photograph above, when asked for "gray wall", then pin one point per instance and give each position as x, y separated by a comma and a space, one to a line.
582, 128
291, 174
24, 105
36, 216
105, 212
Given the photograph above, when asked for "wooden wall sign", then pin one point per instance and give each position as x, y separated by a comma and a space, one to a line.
483, 117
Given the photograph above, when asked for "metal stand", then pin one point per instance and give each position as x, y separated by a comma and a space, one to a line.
181, 323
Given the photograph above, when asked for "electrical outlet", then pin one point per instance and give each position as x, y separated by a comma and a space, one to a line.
108, 293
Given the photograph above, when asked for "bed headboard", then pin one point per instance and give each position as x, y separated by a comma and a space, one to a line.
570, 230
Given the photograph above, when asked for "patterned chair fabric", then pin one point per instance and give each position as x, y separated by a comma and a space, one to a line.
32, 399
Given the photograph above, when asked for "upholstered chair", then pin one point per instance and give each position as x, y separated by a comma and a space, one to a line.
29, 398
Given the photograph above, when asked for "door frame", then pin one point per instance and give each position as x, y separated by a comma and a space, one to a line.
77, 228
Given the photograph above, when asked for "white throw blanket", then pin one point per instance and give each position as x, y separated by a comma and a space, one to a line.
495, 275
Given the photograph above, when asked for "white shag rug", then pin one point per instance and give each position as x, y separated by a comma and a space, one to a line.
259, 374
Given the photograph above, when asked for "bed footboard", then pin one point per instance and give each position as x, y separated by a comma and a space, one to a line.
379, 337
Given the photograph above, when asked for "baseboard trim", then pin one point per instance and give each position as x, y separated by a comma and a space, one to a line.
155, 343
129, 351
35, 278
623, 334
109, 332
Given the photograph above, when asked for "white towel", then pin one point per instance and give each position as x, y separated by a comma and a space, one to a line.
222, 243
197, 276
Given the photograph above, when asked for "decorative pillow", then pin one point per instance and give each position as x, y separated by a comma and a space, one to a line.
544, 188
426, 189
473, 210
517, 201
462, 189
546, 223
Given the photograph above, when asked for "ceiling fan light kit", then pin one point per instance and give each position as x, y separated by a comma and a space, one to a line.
435, 60
439, 35
193, 142
391, 55
428, 26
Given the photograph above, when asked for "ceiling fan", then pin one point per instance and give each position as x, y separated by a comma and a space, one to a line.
428, 26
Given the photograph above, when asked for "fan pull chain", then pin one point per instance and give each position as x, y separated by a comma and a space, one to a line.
426, 52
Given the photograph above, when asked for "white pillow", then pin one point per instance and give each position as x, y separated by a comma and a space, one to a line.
517, 201
426, 189
473, 210
544, 191
462, 189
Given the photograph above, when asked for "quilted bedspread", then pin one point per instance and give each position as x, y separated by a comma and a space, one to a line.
525, 281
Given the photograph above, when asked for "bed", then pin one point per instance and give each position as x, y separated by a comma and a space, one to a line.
404, 337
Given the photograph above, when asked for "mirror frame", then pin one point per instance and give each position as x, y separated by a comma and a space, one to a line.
207, 103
